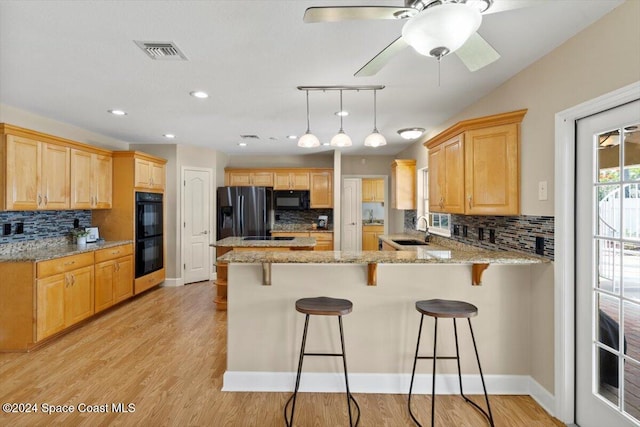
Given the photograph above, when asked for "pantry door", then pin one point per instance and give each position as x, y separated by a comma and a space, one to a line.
608, 268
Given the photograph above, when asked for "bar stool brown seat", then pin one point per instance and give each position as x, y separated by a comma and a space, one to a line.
438, 308
322, 306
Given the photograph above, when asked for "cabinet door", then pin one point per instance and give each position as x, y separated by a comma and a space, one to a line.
436, 179
123, 282
102, 181
50, 305
453, 162
324, 241
281, 181
262, 179
299, 180
367, 192
23, 173
378, 190
55, 177
367, 240
157, 176
81, 179
321, 193
239, 179
142, 173
403, 184
78, 298
491, 177
104, 280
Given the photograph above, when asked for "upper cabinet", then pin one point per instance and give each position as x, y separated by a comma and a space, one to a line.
149, 174
372, 190
91, 180
35, 174
245, 178
44, 172
321, 193
291, 180
403, 184
474, 166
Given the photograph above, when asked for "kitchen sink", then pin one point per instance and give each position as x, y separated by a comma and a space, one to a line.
410, 242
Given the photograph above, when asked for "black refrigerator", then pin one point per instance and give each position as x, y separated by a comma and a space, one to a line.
244, 211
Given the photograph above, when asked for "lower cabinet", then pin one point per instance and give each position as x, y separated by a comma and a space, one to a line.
114, 276
63, 300
370, 235
324, 240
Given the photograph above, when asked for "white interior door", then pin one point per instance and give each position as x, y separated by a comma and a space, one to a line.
351, 213
196, 252
608, 268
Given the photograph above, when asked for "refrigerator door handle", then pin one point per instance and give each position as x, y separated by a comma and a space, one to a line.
241, 205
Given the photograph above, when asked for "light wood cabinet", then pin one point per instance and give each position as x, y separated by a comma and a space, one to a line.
149, 174
372, 190
324, 239
91, 180
370, 235
113, 276
245, 178
64, 293
474, 166
37, 175
403, 184
321, 193
291, 180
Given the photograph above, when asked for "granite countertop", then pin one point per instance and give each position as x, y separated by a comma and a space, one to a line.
300, 228
239, 242
57, 251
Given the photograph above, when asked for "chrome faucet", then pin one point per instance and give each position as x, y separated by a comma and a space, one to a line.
427, 236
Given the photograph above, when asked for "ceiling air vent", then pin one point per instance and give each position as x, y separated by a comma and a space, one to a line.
165, 51
249, 137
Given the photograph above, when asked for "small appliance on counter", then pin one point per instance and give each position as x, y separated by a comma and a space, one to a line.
94, 234
323, 221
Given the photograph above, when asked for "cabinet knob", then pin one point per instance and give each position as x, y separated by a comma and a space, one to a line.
470, 204
39, 199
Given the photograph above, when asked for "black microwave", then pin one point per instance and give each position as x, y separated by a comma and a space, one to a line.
291, 199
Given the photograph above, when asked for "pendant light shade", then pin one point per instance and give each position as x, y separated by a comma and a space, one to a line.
375, 139
308, 140
341, 139
442, 29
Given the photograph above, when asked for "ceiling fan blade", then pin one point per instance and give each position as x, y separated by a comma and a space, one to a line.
381, 59
504, 5
477, 53
350, 13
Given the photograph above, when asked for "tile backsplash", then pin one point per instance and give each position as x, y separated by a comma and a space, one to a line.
511, 232
296, 217
39, 225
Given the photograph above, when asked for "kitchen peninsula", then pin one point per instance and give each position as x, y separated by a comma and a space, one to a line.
252, 243
381, 330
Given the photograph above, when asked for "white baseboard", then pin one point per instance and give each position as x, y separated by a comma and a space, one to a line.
542, 396
172, 283
375, 383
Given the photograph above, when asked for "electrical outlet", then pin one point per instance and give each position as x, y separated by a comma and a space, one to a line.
542, 190
492, 236
6, 229
456, 230
465, 231
540, 245
20, 228
480, 233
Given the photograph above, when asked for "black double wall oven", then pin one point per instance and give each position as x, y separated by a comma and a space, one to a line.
149, 239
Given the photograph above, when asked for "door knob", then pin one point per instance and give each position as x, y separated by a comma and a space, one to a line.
205, 232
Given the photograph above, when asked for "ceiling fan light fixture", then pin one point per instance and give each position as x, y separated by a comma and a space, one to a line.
442, 29
411, 133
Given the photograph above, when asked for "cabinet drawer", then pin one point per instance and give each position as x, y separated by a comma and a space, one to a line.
113, 253
289, 234
61, 265
327, 237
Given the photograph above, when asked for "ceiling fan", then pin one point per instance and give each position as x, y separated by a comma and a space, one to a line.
434, 28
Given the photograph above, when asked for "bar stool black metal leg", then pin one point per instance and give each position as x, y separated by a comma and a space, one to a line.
413, 372
486, 396
346, 379
433, 381
289, 420
455, 333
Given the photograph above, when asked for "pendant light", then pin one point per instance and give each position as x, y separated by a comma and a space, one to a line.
308, 140
375, 139
341, 139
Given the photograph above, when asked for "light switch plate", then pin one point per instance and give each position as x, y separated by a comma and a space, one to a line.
542, 190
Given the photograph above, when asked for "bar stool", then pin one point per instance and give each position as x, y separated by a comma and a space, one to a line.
437, 308
322, 306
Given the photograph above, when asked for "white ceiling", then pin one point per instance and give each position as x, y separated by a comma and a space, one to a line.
74, 60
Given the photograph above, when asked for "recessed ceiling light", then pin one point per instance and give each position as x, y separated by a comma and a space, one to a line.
242, 144
411, 133
326, 143
199, 94
117, 112
341, 113
169, 135
292, 136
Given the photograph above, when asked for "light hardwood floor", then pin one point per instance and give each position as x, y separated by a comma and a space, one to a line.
165, 352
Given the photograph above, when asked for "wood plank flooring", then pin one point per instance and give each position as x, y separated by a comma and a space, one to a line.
165, 353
